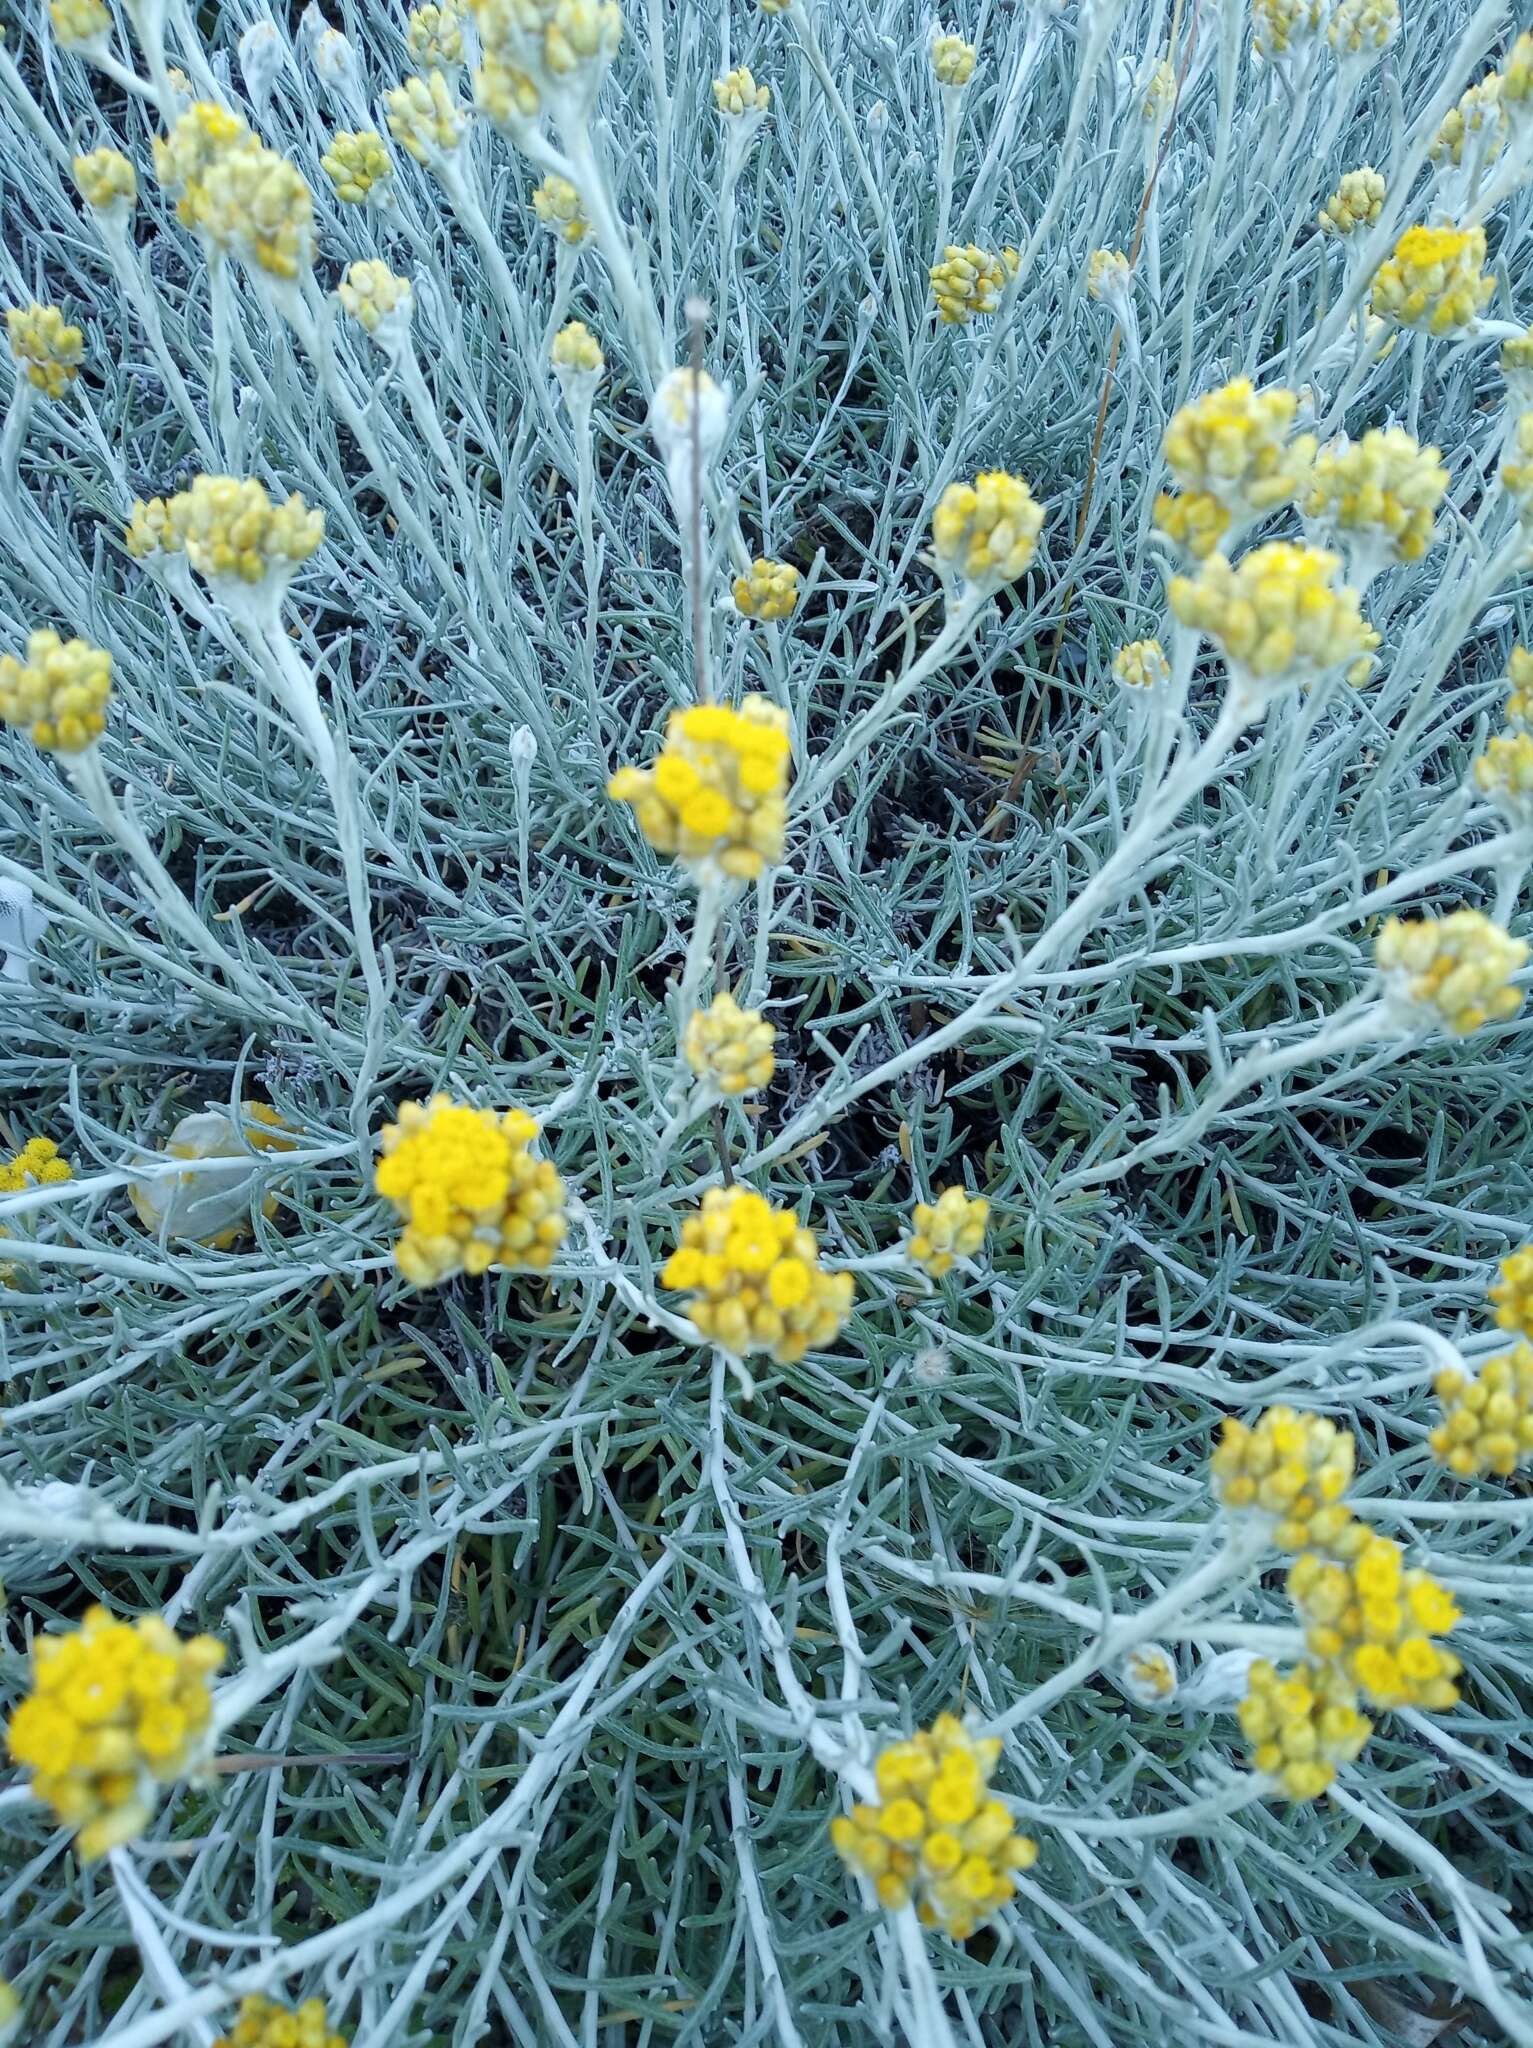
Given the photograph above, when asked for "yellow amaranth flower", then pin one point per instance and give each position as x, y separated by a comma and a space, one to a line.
105, 179
375, 297
952, 59
254, 204
968, 282
1435, 280
59, 695
1452, 972
117, 1710
1477, 124
469, 1190
1382, 491
231, 531
47, 349
504, 94
1356, 203
717, 794
1369, 1615
424, 118
575, 349
986, 533
1519, 704
553, 41
1141, 665
435, 37
1233, 446
730, 1047
1487, 1423
1294, 1467
557, 205
737, 94
1364, 28
1278, 26
79, 24
262, 2023
942, 1232
358, 164
1511, 1292
1279, 615
211, 1206
1301, 1725
1504, 772
935, 1834
770, 591
755, 1278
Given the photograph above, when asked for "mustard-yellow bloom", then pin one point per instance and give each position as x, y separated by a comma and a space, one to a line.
986, 533
1451, 973
1511, 1292
716, 797
756, 1280
1435, 280
48, 351
358, 165
470, 1191
968, 282
262, 2023
105, 179
1382, 492
769, 591
947, 1230
1372, 1617
729, 1047
1279, 615
1356, 203
59, 695
1487, 1423
1292, 1467
1301, 1725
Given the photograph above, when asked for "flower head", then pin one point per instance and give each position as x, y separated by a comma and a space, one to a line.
1364, 28
1109, 275
952, 60
38, 1164
116, 1711
730, 1048
1232, 446
262, 2023
935, 1835
358, 165
435, 37
1519, 704
1141, 665
1449, 973
1148, 1675
1517, 76
1356, 203
1279, 615
378, 300
1517, 370
947, 1230
1487, 1423
1279, 27
688, 402
737, 95
1159, 96
1504, 773
1517, 469
1301, 1725
717, 794
254, 204
48, 351
967, 282
770, 591
1293, 1467
986, 533
1381, 494
469, 1191
1365, 1612
1435, 280
200, 136
212, 1204
1511, 1292
505, 95
424, 117
59, 695
756, 1280
557, 205
79, 24
105, 180
1477, 125
563, 47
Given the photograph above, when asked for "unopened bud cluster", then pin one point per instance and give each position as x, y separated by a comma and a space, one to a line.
358, 165
1141, 665
1232, 457
737, 95
375, 297
768, 591
730, 1048
717, 794
105, 179
968, 282
263, 2023
1383, 490
952, 60
557, 205
755, 1278
1435, 280
48, 351
59, 695
1356, 203
1450, 973
1279, 615
947, 1230
985, 534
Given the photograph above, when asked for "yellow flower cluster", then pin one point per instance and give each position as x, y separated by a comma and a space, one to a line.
504, 94
770, 591
1141, 665
755, 1277
229, 529
986, 533
1504, 772
1277, 25
1301, 1725
1278, 615
1517, 73
1356, 203
737, 94
576, 349
116, 1710
557, 205
1511, 1292
262, 2023
1435, 280
1109, 274
969, 281
1453, 972
935, 1835
550, 40
104, 179
1362, 28
1294, 1467
1374, 1619
357, 163
953, 59
46, 348
942, 1232
469, 1190
1384, 490
1487, 1423
717, 794
423, 116
59, 695
435, 37
1477, 123
1517, 369
37, 1165
199, 136
241, 197
373, 295
78, 24
730, 1047
1230, 453
1519, 703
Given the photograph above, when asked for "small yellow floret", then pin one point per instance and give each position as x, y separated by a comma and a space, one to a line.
1511, 1292
505, 94
39, 1164
1301, 1725
952, 59
557, 205
47, 349
576, 349
730, 1047
470, 1191
105, 179
1504, 772
1373, 1618
262, 2023
737, 94
1356, 203
58, 696
1293, 1467
716, 797
968, 281
1435, 280
424, 118
1454, 972
254, 204
1364, 28
1278, 26
1487, 1423
770, 591
358, 165
435, 37
755, 1278
986, 533
1141, 665
79, 24
1279, 615
942, 1232
372, 294
1384, 489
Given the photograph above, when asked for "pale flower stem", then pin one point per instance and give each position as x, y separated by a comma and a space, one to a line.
639, 308
140, 295
14, 432
1231, 32
221, 364
159, 1964
864, 730
952, 98
711, 902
